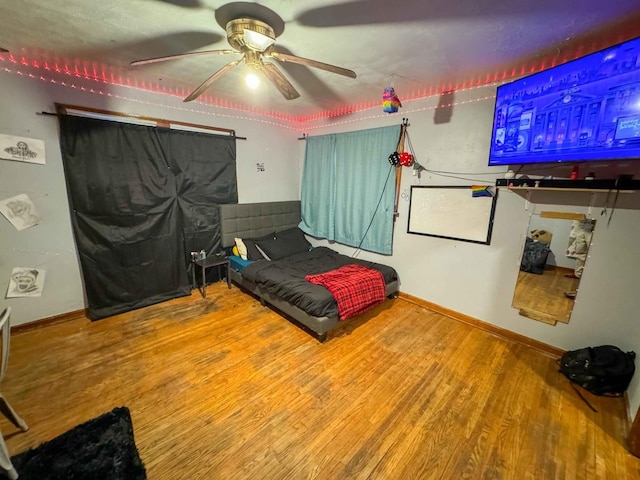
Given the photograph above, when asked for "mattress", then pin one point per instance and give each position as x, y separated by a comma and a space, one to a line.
285, 278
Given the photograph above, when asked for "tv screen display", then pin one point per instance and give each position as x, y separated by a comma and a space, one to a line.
584, 110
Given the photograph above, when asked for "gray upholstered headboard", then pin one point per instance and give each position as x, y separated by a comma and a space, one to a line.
250, 220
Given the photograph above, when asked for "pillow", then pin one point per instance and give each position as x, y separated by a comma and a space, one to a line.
264, 255
295, 238
252, 252
241, 248
280, 247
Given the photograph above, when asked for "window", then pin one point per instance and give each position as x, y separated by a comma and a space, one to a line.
348, 188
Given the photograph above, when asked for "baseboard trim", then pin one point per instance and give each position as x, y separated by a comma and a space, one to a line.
64, 317
487, 327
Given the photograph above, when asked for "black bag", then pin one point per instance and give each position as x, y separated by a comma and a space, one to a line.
534, 256
603, 370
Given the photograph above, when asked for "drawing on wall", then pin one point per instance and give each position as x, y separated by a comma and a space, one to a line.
22, 149
20, 211
26, 282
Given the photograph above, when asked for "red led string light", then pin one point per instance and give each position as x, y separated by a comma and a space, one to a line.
105, 75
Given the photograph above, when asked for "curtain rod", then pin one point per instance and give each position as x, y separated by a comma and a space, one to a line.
62, 109
405, 123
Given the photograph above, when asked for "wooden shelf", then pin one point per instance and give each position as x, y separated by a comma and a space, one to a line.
584, 186
559, 189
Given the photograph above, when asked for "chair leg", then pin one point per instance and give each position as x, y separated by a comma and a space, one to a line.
6, 466
6, 345
11, 414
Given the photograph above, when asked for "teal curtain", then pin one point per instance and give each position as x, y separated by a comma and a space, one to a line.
318, 187
348, 188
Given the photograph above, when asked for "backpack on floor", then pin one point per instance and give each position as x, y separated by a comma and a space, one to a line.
534, 256
603, 370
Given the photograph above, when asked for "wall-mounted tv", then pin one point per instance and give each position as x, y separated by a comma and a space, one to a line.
584, 110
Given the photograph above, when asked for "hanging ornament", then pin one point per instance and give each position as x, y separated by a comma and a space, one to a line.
394, 159
390, 101
406, 159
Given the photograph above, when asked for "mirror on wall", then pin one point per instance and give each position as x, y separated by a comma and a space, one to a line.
552, 263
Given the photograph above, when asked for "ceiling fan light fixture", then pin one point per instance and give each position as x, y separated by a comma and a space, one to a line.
254, 40
252, 81
250, 34
257, 41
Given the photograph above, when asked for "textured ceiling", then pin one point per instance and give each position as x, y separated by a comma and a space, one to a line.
420, 47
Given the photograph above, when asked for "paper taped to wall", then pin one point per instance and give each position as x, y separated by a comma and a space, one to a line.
26, 282
20, 211
22, 149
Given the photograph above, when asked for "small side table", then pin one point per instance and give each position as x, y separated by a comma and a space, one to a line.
204, 263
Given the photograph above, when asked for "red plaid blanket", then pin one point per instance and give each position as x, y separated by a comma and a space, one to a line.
355, 288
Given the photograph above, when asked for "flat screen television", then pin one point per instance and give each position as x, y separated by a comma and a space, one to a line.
584, 110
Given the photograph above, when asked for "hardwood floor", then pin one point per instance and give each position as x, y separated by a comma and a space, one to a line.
225, 388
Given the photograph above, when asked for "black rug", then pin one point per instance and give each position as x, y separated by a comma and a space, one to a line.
100, 449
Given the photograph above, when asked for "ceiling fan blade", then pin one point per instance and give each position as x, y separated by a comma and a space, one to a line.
3, 50
279, 80
284, 57
183, 55
207, 83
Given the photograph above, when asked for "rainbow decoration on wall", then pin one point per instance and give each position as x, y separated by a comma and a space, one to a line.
481, 191
390, 101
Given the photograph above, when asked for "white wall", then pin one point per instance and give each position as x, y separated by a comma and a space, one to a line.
479, 280
476, 280
50, 244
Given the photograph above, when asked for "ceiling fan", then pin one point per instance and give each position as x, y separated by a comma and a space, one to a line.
254, 40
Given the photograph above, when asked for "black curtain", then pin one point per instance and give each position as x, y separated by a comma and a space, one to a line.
141, 199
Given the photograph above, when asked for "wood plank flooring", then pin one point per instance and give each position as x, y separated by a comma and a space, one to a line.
224, 388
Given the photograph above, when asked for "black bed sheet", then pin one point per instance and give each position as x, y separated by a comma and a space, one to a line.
285, 278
